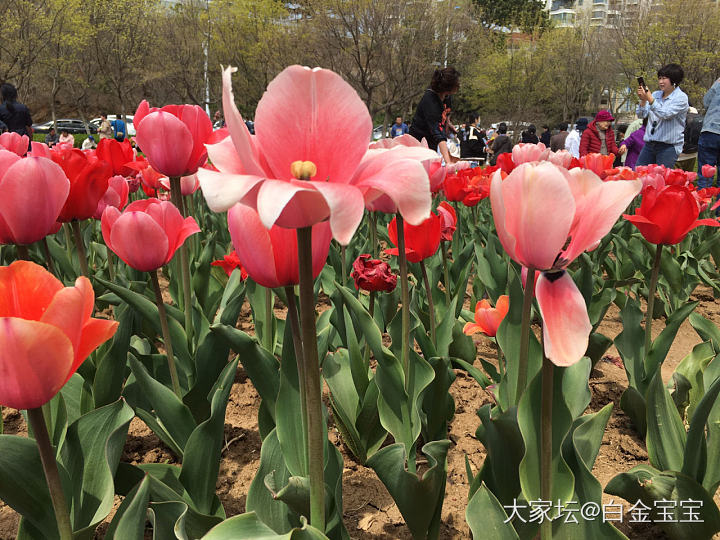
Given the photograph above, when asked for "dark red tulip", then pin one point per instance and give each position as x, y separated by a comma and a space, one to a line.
373, 274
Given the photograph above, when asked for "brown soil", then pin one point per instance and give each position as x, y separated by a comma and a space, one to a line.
369, 511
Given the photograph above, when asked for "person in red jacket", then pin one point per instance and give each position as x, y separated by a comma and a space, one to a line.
599, 137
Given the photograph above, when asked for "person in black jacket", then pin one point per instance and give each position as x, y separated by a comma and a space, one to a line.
431, 115
530, 135
474, 144
501, 144
13, 114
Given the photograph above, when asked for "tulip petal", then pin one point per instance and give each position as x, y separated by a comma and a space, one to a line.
533, 209
290, 204
244, 144
139, 241
312, 115
222, 190
224, 156
346, 208
7, 158
35, 360
566, 325
405, 181
26, 289
29, 216
253, 246
95, 333
166, 142
598, 206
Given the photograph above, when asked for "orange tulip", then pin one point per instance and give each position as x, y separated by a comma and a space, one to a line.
487, 318
46, 332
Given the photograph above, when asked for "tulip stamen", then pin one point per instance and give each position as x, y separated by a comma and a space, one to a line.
303, 170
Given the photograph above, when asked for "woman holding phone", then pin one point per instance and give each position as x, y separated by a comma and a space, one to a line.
665, 110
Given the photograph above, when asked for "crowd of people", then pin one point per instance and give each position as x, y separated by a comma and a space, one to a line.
667, 130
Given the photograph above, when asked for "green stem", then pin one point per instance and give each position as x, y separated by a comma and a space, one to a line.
404, 298
405, 340
166, 334
47, 456
446, 271
48, 257
292, 315
80, 245
267, 330
68, 239
431, 304
373, 234
525, 334
546, 443
111, 265
23, 254
313, 389
651, 298
177, 200
343, 265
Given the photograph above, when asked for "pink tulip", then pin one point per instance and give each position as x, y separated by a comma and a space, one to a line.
15, 142
528, 152
270, 257
173, 138
709, 171
295, 172
561, 158
147, 234
32, 194
116, 195
429, 158
39, 149
536, 208
188, 184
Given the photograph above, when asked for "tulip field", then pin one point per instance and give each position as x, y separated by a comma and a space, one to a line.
287, 335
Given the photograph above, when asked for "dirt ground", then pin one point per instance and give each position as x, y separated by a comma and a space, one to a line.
369, 511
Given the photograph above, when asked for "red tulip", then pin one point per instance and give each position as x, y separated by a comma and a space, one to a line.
14, 142
449, 220
373, 274
116, 195
173, 138
505, 162
667, 215
88, 182
116, 154
708, 171
46, 331
229, 263
487, 318
147, 234
455, 186
421, 241
39, 149
270, 256
597, 163
32, 193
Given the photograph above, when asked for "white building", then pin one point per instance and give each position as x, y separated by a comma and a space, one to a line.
599, 12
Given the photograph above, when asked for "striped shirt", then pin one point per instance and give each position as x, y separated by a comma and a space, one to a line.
666, 118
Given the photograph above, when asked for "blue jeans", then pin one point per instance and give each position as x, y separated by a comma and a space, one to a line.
708, 154
659, 153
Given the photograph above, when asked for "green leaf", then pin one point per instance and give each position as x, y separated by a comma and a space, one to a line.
487, 518
129, 520
530, 422
201, 461
707, 330
665, 431
661, 344
149, 311
176, 419
418, 499
692, 367
633, 404
649, 485
249, 527
438, 405
630, 343
695, 458
474, 372
110, 375
90, 454
575, 386
23, 486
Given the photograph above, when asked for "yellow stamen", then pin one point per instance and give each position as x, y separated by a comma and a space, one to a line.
303, 170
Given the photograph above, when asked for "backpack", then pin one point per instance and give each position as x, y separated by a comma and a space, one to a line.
693, 127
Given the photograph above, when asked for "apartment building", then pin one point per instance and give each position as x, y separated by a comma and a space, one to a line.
566, 13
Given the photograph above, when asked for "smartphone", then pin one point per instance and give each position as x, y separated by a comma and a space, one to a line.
641, 82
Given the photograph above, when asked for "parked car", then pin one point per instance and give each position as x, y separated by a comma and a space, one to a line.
128, 119
377, 133
72, 125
